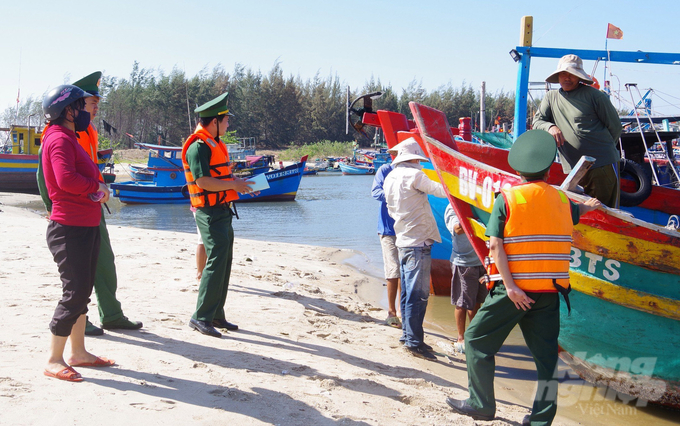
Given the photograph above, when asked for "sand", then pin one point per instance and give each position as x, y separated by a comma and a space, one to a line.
308, 352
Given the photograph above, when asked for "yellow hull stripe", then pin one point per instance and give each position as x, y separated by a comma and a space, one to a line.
452, 183
19, 165
479, 229
641, 301
624, 248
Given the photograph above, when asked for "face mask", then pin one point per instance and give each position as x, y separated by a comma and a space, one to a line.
82, 121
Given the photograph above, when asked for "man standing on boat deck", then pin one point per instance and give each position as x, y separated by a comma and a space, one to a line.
406, 190
387, 243
106, 281
529, 233
212, 188
583, 121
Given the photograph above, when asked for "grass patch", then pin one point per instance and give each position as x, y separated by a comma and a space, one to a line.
316, 150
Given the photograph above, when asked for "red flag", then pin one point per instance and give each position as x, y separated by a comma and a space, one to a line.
18, 94
614, 32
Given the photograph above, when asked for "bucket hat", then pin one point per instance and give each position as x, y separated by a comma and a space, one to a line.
533, 153
407, 150
573, 65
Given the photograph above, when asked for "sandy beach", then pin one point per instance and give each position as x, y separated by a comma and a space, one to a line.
308, 352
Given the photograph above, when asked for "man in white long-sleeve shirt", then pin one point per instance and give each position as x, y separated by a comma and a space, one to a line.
406, 190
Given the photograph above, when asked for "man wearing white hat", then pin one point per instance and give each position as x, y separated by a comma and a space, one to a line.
583, 121
406, 190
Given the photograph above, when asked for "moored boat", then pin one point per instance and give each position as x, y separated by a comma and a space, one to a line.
283, 184
19, 160
356, 169
140, 174
168, 185
624, 329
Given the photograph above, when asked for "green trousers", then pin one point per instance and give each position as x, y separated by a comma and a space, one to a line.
214, 224
603, 183
488, 330
106, 280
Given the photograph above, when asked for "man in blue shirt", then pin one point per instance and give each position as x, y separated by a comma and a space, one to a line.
387, 242
467, 293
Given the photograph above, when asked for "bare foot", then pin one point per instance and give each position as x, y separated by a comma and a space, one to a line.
56, 367
82, 358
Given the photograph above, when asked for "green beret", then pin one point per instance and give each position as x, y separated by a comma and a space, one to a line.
217, 106
90, 84
533, 153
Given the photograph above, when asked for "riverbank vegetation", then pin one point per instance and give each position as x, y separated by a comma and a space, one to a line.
152, 106
323, 149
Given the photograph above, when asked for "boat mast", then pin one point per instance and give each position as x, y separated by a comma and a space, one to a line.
524, 62
482, 108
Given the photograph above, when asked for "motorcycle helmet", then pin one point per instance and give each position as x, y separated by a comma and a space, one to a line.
59, 98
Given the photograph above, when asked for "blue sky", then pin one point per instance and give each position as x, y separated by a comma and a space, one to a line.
433, 42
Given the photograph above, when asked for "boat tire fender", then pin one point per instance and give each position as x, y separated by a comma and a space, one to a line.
643, 182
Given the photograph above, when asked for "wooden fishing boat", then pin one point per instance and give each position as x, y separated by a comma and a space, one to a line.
19, 160
356, 169
283, 184
168, 185
140, 174
624, 329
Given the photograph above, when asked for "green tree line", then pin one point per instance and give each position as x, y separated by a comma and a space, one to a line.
152, 106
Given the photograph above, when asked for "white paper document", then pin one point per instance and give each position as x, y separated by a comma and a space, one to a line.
260, 182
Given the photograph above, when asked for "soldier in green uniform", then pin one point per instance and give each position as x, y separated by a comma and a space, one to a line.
529, 233
212, 188
106, 281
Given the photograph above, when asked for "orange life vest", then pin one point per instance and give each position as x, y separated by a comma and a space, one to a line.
89, 140
536, 237
219, 169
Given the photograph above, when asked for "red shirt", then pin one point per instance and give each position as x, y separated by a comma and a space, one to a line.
70, 176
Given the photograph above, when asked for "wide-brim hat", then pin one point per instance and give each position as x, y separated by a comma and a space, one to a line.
573, 65
90, 83
407, 150
533, 152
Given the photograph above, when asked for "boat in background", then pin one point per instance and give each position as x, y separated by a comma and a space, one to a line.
105, 164
140, 174
356, 169
252, 165
19, 160
365, 162
167, 179
283, 184
168, 185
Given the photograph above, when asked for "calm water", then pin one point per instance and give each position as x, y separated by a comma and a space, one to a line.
330, 210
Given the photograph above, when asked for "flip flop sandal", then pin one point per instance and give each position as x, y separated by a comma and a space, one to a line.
393, 322
99, 362
68, 374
